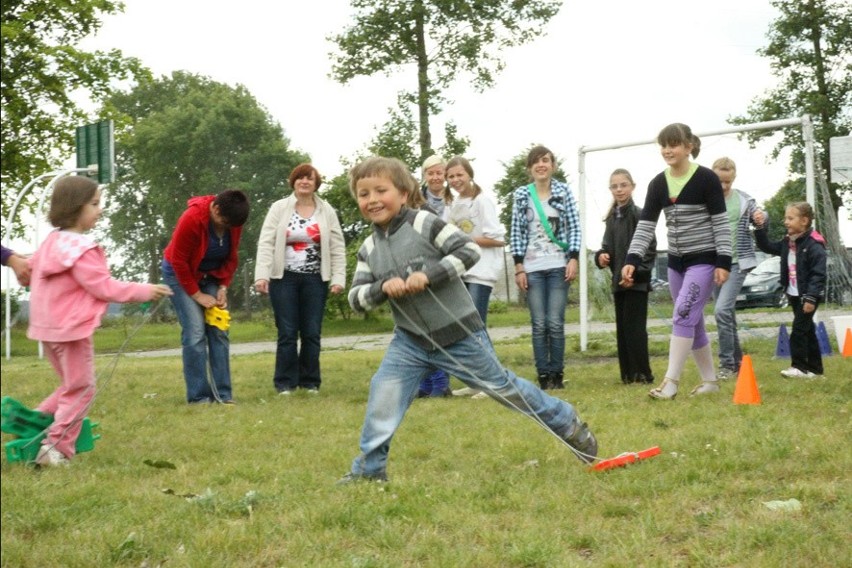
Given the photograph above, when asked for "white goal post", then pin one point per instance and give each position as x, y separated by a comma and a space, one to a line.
810, 184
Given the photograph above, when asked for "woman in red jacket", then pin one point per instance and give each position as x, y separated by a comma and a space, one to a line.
198, 265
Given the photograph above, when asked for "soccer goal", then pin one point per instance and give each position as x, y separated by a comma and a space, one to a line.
755, 175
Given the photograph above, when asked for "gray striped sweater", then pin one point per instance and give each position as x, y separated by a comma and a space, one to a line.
697, 222
418, 241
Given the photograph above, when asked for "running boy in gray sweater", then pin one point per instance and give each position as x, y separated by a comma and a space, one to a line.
415, 261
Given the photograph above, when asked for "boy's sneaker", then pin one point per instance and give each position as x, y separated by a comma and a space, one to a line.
726, 374
544, 381
355, 477
582, 440
48, 456
479, 396
466, 391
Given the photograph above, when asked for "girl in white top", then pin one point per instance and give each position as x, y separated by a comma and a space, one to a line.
476, 215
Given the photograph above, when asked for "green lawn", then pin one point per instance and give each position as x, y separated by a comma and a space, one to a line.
472, 484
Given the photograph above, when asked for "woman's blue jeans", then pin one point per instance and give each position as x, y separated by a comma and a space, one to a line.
298, 303
480, 294
474, 362
202, 344
547, 296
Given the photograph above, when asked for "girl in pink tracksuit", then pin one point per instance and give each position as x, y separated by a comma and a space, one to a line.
70, 289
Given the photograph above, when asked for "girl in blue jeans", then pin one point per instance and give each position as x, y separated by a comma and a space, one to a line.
545, 243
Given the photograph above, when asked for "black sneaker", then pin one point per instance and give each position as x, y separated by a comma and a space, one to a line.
556, 381
355, 477
582, 440
544, 380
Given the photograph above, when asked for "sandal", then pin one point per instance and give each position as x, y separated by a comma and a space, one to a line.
706, 387
659, 393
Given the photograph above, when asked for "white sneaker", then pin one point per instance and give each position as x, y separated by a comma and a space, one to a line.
794, 373
726, 374
48, 456
467, 391
479, 395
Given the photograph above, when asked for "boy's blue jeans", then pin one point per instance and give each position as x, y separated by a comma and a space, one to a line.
474, 362
200, 342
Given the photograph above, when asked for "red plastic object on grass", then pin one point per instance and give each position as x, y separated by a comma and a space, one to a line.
625, 459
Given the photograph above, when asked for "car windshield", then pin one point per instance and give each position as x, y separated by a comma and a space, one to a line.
771, 265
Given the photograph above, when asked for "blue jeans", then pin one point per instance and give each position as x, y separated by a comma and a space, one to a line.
480, 293
547, 296
730, 353
298, 302
472, 360
201, 343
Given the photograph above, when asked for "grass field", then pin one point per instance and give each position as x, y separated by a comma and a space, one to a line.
472, 484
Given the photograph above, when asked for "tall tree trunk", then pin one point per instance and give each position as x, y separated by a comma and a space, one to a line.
422, 83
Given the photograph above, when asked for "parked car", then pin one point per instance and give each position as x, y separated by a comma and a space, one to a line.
761, 287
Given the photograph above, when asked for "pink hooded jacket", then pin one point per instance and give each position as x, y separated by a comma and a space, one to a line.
71, 288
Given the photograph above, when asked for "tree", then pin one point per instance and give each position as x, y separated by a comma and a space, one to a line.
187, 135
792, 191
440, 39
811, 55
44, 76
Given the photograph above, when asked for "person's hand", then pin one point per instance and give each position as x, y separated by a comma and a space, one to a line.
159, 291
627, 276
394, 287
416, 282
204, 300
758, 217
21, 266
571, 270
262, 286
808, 307
720, 276
521, 280
222, 297
603, 259
336, 289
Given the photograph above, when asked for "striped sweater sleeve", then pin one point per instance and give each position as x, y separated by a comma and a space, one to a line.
646, 227
365, 293
459, 252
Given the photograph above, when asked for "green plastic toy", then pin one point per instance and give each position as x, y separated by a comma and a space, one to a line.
30, 427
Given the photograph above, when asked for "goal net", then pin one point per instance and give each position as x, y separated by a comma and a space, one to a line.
762, 304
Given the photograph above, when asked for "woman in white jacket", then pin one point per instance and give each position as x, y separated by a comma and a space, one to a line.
301, 256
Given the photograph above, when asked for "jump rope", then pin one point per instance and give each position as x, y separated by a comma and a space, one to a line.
220, 319
620, 460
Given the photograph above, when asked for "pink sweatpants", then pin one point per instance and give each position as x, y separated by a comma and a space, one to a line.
74, 362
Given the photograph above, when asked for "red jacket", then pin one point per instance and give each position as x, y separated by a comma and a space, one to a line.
189, 245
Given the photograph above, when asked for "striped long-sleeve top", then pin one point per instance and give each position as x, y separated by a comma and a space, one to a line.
418, 241
697, 222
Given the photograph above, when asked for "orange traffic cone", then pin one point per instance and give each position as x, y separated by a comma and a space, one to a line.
746, 390
847, 343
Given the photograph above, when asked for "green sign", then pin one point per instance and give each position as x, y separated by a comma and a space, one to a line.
96, 150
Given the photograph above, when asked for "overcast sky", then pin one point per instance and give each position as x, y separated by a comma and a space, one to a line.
605, 72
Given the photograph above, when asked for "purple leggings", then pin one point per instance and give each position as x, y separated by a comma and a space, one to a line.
690, 292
